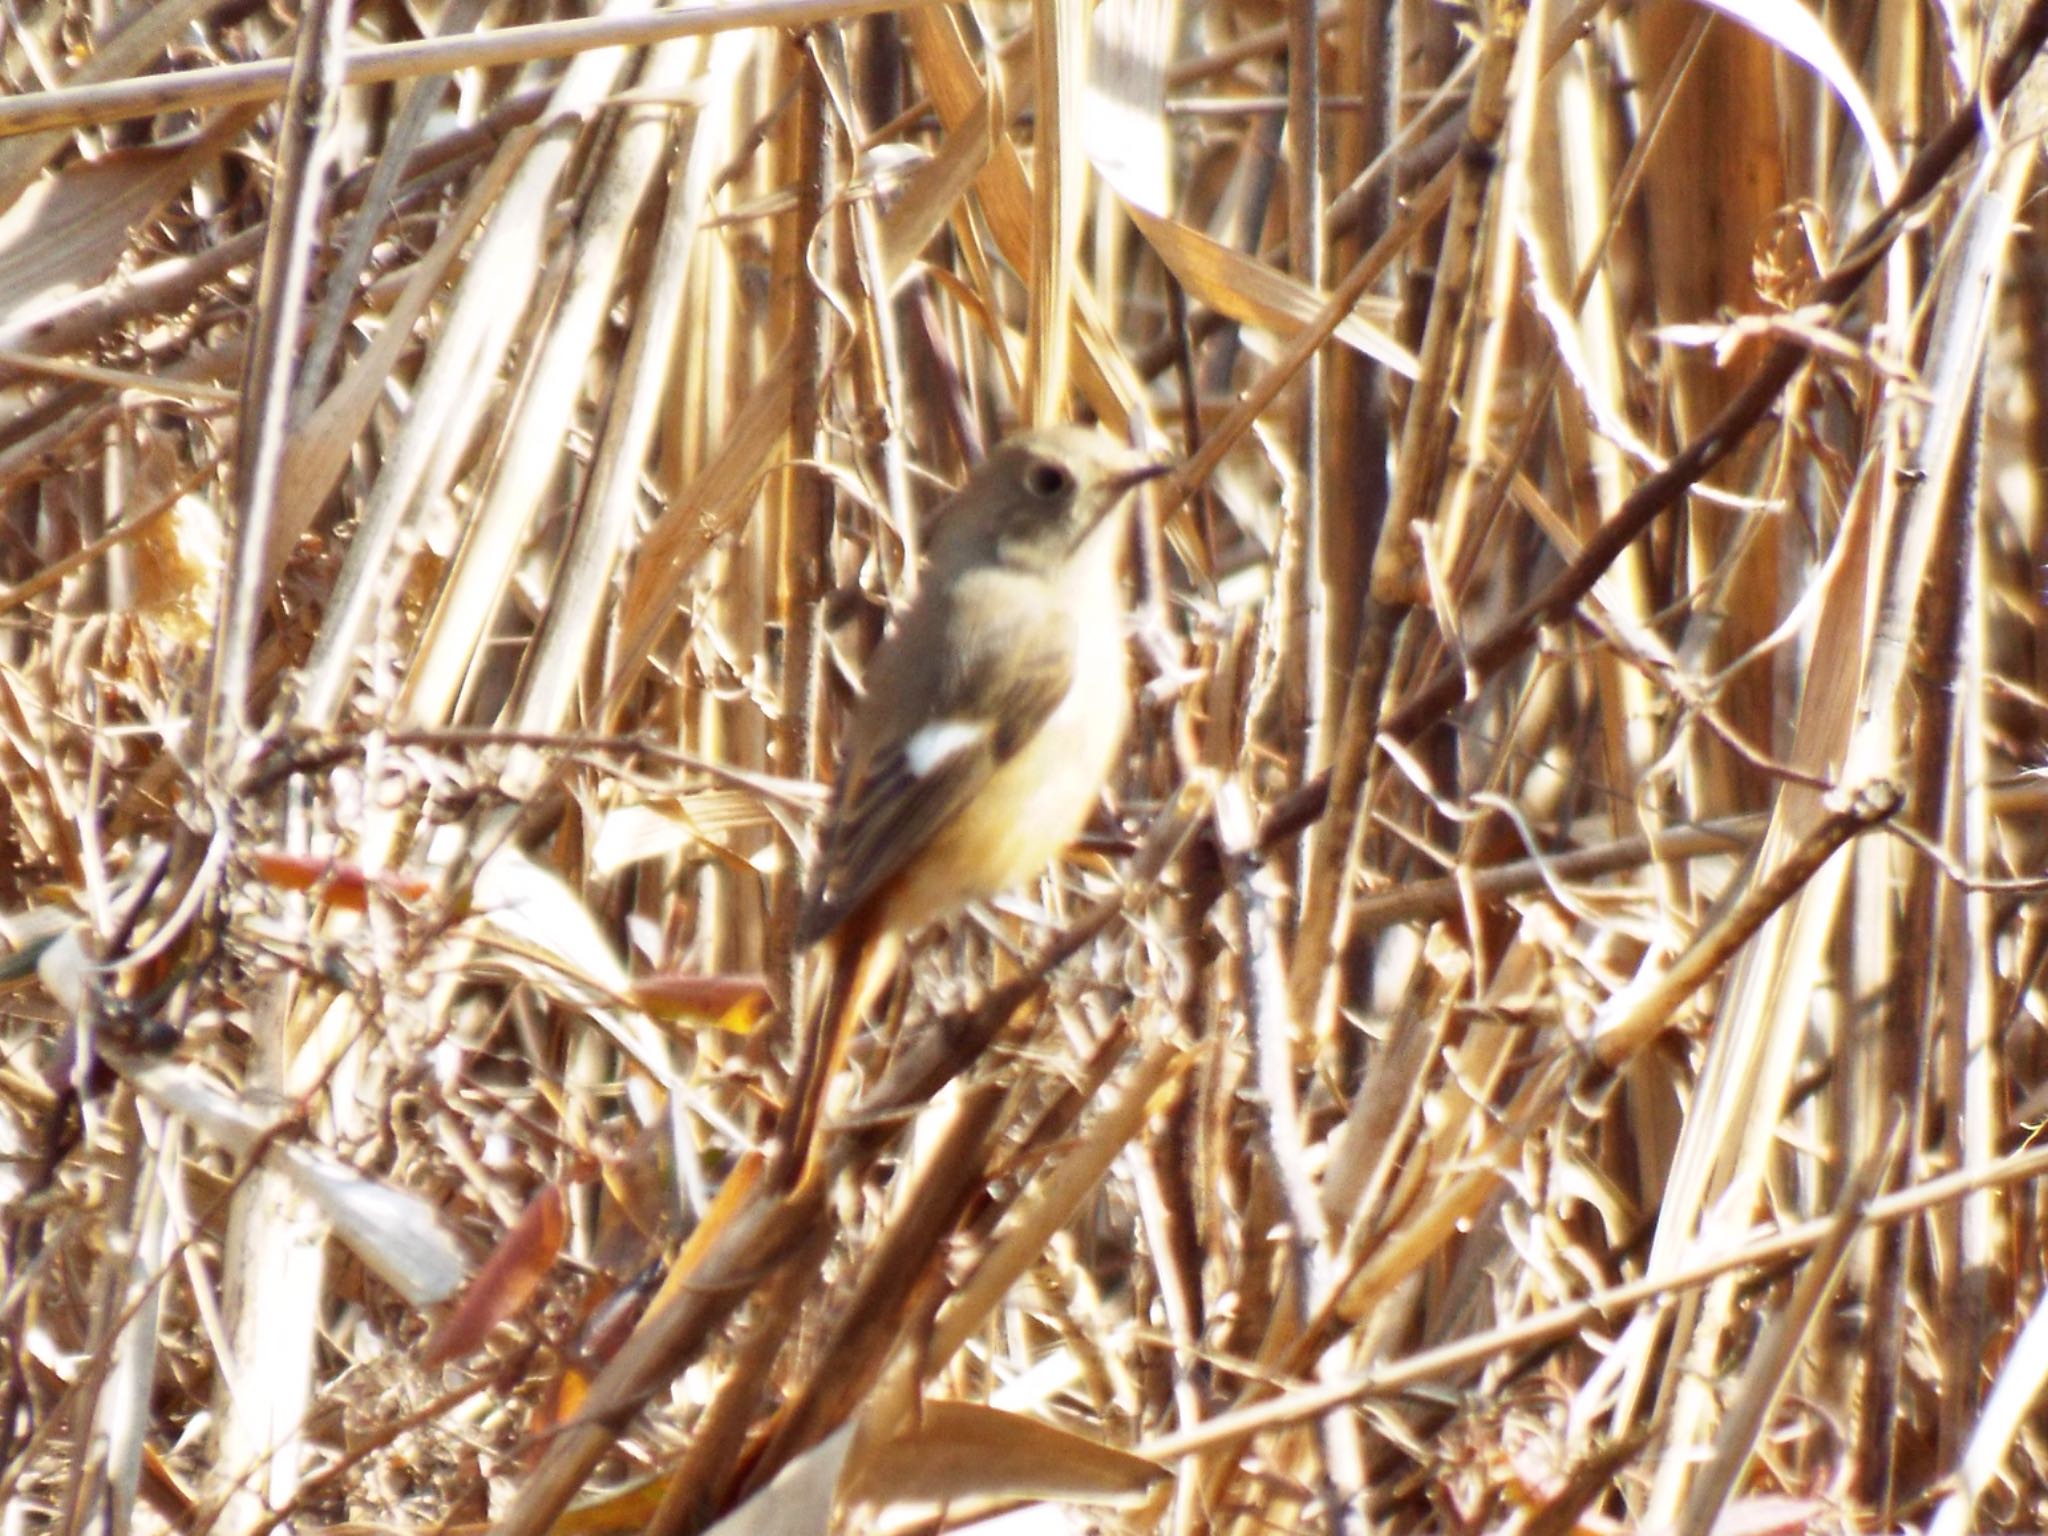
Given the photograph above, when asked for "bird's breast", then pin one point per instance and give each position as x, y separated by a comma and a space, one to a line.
1040, 797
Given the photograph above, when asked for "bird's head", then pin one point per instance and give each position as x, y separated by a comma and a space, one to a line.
1039, 495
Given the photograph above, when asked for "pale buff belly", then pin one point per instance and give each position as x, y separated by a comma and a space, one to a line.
1037, 801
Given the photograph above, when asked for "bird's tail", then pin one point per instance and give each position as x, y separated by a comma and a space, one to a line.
855, 962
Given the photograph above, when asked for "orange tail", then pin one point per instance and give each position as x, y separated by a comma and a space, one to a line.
856, 961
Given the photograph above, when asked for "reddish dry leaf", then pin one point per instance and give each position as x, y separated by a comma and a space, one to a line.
507, 1280
343, 885
736, 1004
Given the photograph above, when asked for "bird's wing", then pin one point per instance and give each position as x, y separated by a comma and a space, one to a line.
894, 794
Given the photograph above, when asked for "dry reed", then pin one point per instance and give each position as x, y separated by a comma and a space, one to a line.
1544, 1032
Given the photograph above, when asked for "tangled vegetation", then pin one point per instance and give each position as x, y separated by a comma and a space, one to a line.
1544, 1032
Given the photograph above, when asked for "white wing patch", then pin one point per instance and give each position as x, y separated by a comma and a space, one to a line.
941, 741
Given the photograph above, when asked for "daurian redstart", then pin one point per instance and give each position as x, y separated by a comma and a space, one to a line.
992, 714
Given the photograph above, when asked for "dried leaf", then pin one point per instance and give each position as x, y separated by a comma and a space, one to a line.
956, 1451
736, 1004
505, 1281
69, 230
344, 885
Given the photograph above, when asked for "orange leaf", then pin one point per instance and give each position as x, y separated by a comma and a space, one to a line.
346, 886
732, 1198
507, 1280
733, 1003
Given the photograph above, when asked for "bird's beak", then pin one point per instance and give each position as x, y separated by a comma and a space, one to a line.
1138, 468
1138, 474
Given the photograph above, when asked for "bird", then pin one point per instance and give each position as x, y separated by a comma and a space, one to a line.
991, 718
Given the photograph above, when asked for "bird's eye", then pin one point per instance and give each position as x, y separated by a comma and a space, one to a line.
1046, 480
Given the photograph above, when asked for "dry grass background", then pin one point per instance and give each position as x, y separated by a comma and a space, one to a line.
1550, 1020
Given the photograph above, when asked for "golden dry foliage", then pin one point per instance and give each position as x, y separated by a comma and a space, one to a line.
1545, 1032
